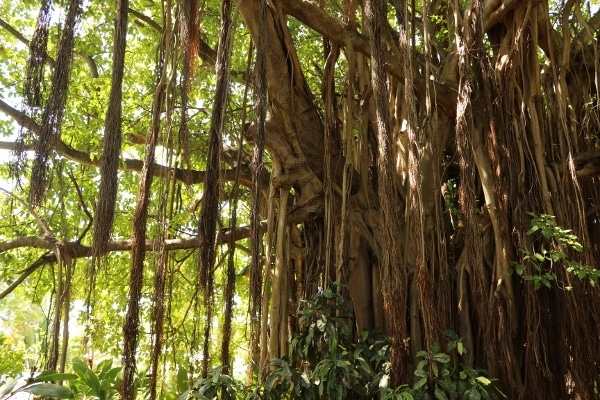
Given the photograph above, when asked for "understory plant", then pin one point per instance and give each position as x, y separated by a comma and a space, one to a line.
442, 375
328, 363
101, 383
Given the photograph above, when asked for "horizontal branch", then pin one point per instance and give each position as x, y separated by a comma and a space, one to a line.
187, 176
77, 250
49, 60
587, 164
73, 250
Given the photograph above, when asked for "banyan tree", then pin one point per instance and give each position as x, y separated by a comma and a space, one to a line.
202, 167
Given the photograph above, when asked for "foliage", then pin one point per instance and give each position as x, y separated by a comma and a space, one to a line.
11, 362
101, 383
452, 206
441, 376
327, 364
337, 366
41, 385
556, 242
215, 385
323, 326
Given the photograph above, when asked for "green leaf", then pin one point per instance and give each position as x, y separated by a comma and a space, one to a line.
80, 367
420, 383
577, 247
439, 394
460, 348
104, 366
91, 379
422, 353
182, 380
474, 394
51, 375
483, 380
49, 390
533, 229
422, 364
441, 357
6, 389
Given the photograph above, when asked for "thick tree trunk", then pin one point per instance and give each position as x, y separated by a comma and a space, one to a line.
479, 124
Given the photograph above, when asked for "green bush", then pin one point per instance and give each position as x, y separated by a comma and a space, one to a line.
327, 364
440, 375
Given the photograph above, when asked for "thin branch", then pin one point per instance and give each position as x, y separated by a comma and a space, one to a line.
78, 250
43, 225
43, 260
83, 206
207, 54
19, 36
49, 60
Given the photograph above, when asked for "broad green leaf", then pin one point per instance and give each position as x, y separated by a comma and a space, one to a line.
104, 366
80, 367
533, 229
439, 394
49, 390
50, 375
420, 383
6, 389
91, 379
474, 394
182, 380
435, 369
422, 354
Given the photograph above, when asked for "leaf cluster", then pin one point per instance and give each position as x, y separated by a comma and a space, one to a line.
555, 244
441, 375
327, 363
101, 383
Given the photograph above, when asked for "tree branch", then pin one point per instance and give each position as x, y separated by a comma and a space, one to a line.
49, 60
144, 18
28, 271
207, 54
73, 250
587, 164
40, 220
189, 177
78, 250
317, 18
